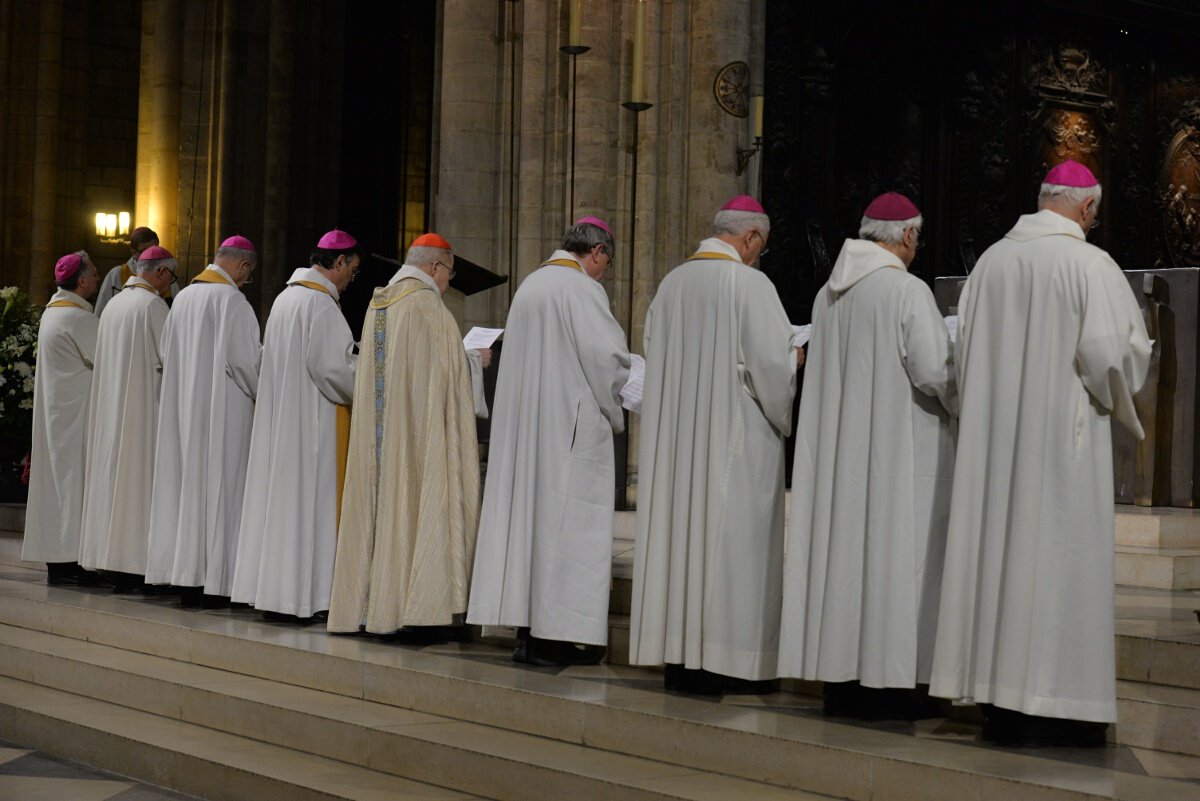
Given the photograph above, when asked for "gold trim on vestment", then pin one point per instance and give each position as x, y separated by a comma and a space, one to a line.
147, 288
213, 277
314, 285
712, 254
574, 265
383, 305
60, 303
342, 422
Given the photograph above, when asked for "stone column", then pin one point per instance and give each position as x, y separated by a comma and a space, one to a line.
473, 179
278, 151
45, 155
156, 202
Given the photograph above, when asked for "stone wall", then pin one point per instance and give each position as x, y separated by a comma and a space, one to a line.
502, 191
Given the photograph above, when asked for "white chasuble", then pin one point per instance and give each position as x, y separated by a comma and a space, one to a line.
545, 535
211, 352
289, 515
1051, 346
61, 385
871, 480
720, 379
410, 508
124, 421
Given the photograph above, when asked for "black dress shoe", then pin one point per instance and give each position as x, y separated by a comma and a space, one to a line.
1008, 727
70, 574
214, 601
693, 681
521, 652
557, 653
191, 597
126, 583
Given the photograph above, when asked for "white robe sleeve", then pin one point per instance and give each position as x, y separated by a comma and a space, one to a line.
600, 343
925, 348
108, 289
475, 366
330, 359
1113, 353
85, 335
768, 360
244, 351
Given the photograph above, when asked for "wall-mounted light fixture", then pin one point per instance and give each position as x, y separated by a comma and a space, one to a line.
112, 228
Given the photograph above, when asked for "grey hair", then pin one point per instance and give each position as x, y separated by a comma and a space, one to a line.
890, 232
582, 237
1072, 194
143, 266
239, 254
421, 255
730, 221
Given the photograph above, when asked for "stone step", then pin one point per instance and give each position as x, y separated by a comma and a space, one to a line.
1158, 568
182, 756
12, 517
1158, 718
459, 755
10, 552
779, 740
1157, 527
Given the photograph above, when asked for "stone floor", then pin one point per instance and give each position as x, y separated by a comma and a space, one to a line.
1138, 610
1161, 618
33, 776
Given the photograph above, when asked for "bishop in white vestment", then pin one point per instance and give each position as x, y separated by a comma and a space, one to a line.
872, 476
124, 421
410, 509
211, 353
290, 513
1051, 347
118, 277
720, 378
61, 386
544, 560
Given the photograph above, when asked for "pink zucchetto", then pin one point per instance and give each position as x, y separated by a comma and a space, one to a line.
744, 203
154, 253
891, 206
239, 242
596, 221
1071, 173
67, 266
337, 240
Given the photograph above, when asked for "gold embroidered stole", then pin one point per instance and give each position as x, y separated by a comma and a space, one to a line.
211, 276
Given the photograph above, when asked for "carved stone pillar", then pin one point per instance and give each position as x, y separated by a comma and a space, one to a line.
45, 157
156, 201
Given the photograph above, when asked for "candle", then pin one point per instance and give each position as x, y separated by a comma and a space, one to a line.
638, 92
574, 22
757, 101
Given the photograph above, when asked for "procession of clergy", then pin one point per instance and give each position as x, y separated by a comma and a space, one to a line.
951, 515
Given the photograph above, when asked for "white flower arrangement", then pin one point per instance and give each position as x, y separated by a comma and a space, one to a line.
18, 355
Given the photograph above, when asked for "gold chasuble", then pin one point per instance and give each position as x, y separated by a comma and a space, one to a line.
342, 420
410, 508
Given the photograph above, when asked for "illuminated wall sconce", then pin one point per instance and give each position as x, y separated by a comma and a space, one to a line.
112, 228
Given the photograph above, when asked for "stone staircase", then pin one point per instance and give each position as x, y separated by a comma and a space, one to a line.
1158, 548
224, 705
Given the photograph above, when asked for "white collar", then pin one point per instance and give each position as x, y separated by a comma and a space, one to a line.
315, 276
408, 271
137, 279
720, 246
228, 277
71, 297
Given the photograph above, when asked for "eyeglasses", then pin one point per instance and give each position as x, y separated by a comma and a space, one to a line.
765, 249
453, 272
174, 277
